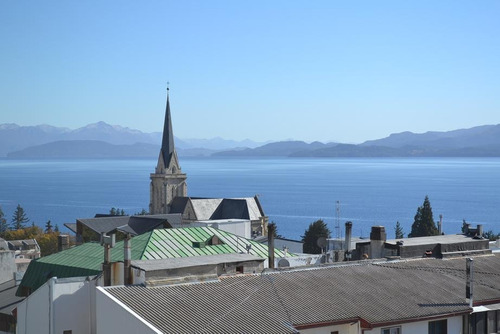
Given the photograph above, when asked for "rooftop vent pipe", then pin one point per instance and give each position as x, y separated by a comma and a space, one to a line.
270, 244
348, 233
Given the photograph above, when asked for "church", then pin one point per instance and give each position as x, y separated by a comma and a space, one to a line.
168, 192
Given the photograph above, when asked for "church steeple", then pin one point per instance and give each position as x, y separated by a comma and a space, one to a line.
168, 181
167, 144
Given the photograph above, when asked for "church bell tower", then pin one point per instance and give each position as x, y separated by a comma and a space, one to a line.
168, 181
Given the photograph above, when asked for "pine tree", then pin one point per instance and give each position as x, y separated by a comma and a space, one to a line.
310, 238
19, 218
56, 228
48, 227
423, 224
3, 223
399, 231
275, 230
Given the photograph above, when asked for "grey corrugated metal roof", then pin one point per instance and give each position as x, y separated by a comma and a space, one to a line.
8, 298
193, 261
377, 293
436, 239
71, 226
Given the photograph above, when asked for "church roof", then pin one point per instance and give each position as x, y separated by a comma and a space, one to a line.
220, 208
167, 144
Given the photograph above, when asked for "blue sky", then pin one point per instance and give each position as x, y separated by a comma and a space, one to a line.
345, 71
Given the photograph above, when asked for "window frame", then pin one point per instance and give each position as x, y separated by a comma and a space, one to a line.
399, 330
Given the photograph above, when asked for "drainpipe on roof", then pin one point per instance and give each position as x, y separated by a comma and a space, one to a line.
52, 283
108, 242
348, 233
270, 244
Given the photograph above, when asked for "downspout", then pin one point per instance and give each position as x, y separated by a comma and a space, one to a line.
52, 283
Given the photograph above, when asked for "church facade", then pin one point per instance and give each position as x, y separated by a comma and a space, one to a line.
168, 192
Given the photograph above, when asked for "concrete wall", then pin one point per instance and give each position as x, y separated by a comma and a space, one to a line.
419, 327
70, 309
238, 227
112, 316
7, 266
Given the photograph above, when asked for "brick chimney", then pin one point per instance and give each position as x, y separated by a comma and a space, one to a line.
377, 241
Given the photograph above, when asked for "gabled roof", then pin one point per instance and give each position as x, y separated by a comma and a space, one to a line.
130, 224
219, 208
86, 259
376, 294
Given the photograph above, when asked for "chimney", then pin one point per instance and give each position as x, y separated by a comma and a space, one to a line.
440, 225
270, 244
348, 233
127, 257
377, 241
108, 242
62, 242
480, 230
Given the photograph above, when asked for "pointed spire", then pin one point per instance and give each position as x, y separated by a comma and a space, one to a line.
167, 144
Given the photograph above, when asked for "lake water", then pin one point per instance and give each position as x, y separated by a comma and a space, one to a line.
293, 192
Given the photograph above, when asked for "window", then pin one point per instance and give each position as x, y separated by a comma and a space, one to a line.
438, 327
391, 330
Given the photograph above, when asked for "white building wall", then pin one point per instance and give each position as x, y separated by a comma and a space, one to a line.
422, 327
71, 308
353, 328
112, 316
33, 312
240, 227
7, 265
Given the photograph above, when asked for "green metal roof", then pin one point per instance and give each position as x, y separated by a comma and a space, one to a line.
86, 259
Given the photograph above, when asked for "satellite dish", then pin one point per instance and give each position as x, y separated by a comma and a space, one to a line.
283, 263
321, 242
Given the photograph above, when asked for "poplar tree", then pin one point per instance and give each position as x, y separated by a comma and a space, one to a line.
423, 224
398, 230
3, 223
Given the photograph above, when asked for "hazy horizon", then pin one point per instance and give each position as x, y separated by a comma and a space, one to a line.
325, 71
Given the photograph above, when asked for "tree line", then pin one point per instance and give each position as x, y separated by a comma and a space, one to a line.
423, 225
19, 229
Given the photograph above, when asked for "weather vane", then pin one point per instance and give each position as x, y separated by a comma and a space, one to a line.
168, 83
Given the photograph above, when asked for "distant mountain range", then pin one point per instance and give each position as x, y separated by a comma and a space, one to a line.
49, 141
101, 140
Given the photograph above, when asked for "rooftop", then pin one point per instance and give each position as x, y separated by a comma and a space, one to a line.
436, 239
175, 263
376, 293
86, 259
